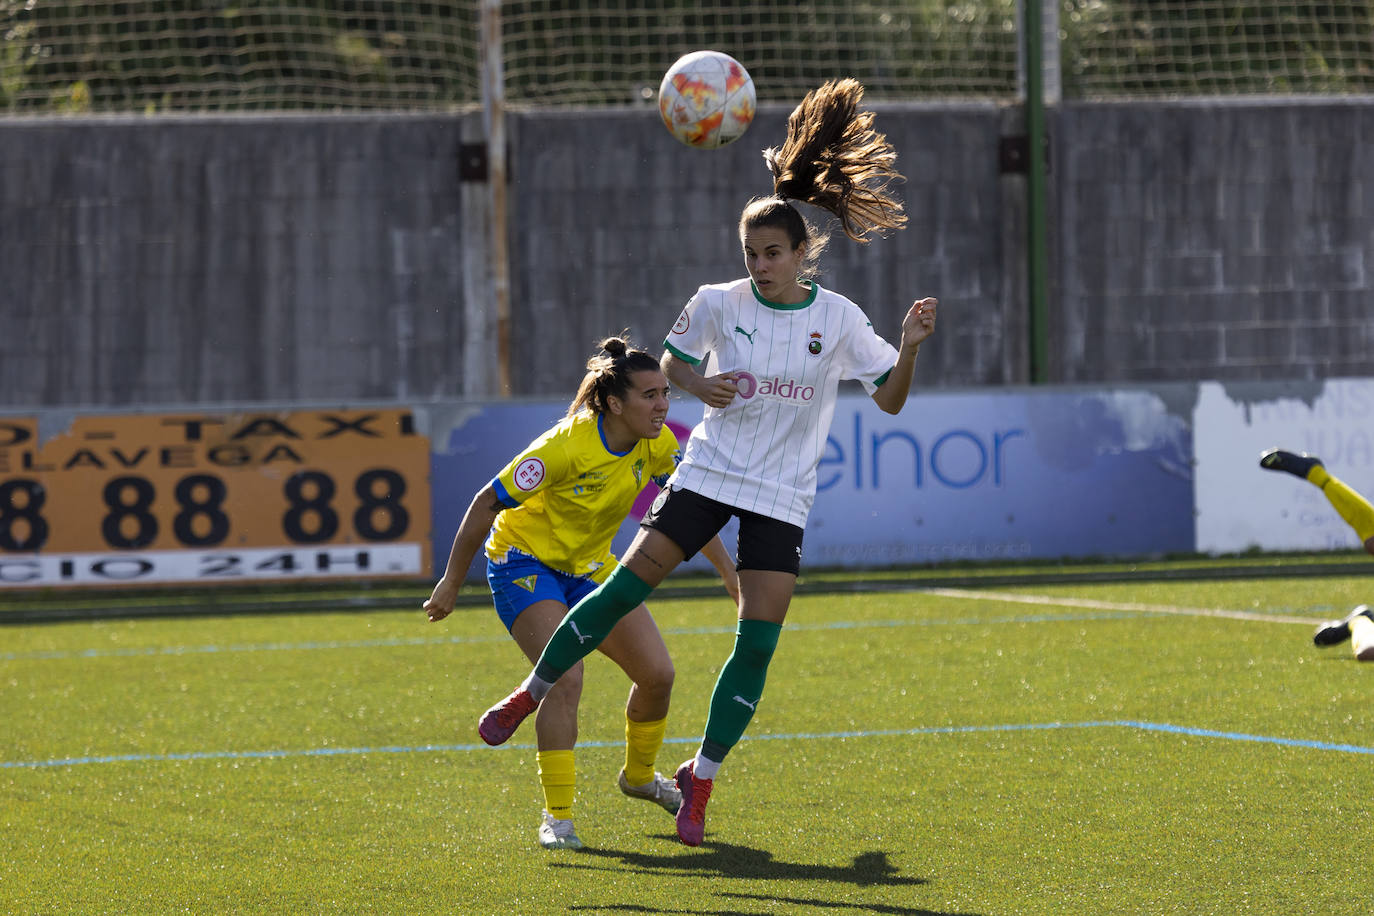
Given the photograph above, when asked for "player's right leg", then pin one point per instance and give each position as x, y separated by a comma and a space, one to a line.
532, 600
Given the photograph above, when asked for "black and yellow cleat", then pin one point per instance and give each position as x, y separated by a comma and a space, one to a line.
1276, 459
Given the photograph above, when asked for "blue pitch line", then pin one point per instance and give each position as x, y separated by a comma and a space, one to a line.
797, 736
398, 642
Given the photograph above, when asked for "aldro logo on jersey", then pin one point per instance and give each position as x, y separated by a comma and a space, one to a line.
814, 345
776, 388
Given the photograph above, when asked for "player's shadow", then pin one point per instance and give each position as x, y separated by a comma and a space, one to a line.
726, 860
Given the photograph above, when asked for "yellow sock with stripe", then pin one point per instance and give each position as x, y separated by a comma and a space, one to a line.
558, 776
1350, 505
642, 743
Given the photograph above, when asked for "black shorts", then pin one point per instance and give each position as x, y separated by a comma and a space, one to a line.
690, 520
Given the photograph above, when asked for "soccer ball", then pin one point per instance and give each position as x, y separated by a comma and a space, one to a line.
706, 99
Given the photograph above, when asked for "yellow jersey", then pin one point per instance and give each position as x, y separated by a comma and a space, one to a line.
567, 493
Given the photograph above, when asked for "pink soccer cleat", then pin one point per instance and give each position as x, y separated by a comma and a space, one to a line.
500, 722
691, 817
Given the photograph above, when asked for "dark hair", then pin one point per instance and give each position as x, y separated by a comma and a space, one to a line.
832, 159
608, 374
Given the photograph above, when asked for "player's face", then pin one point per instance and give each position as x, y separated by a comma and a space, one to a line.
773, 264
644, 409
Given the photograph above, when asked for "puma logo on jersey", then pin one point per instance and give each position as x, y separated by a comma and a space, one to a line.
527, 582
748, 334
739, 699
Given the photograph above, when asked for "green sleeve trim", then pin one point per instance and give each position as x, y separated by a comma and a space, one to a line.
680, 355
882, 378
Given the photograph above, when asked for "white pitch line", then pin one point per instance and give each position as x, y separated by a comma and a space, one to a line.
1093, 604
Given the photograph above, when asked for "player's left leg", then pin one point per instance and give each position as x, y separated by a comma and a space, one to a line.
769, 560
736, 696
1348, 503
636, 645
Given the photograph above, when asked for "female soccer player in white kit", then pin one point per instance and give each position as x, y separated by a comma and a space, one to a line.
781, 344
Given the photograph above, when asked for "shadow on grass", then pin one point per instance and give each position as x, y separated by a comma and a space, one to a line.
827, 905
725, 860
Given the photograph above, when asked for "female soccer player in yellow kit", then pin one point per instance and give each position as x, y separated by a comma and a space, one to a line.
548, 520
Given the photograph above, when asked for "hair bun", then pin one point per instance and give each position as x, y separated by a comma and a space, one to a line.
614, 346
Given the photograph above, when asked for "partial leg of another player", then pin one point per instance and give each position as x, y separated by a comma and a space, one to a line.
1357, 626
1349, 504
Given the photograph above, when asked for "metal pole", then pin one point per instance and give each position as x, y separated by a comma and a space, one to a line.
1032, 24
494, 120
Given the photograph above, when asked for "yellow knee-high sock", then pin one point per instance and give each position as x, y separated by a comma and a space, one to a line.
558, 776
1351, 506
642, 741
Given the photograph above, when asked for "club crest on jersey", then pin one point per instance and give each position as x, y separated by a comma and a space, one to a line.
638, 469
683, 323
814, 345
527, 582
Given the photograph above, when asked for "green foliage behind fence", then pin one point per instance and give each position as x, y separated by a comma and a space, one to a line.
256, 55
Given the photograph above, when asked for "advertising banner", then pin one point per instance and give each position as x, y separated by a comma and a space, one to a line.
1003, 475
202, 496
1010, 474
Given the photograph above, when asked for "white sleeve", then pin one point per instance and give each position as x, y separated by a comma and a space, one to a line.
868, 356
697, 331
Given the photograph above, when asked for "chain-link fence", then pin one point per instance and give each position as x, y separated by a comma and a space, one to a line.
253, 55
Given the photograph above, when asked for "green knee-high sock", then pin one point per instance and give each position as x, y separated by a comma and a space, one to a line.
739, 687
587, 624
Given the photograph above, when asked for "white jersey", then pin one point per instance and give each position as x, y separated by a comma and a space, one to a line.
761, 452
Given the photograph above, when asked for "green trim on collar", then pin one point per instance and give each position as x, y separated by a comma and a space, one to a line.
786, 306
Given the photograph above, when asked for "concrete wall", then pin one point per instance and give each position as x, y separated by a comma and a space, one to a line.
200, 260
204, 260
1230, 240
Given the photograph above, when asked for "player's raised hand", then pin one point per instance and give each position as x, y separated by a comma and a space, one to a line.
919, 322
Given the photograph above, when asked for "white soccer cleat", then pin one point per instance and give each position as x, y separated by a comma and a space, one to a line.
555, 833
660, 790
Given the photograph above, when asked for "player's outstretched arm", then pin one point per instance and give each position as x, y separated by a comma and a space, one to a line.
917, 325
472, 532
